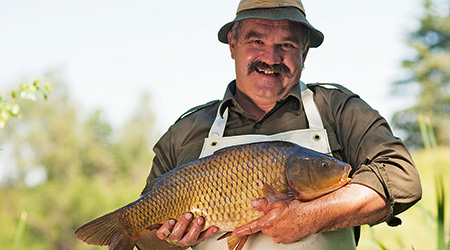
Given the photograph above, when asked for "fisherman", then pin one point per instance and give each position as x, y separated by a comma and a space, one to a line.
269, 41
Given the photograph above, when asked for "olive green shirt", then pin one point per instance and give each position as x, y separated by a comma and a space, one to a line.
357, 135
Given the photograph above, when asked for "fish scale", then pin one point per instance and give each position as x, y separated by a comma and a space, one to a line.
219, 188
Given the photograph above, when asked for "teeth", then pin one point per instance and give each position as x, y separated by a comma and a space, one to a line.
267, 72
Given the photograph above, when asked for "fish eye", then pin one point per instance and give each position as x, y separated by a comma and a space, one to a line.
324, 164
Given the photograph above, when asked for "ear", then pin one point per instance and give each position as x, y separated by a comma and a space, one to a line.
232, 44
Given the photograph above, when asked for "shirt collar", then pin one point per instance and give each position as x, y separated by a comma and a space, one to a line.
229, 99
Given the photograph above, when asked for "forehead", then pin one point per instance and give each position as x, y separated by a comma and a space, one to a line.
284, 27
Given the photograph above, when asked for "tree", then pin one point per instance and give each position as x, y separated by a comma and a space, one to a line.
429, 72
90, 167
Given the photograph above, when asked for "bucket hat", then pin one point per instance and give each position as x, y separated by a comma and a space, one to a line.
273, 10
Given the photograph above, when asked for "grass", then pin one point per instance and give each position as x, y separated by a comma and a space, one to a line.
20, 230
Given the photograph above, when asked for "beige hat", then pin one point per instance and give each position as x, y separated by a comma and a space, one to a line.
273, 10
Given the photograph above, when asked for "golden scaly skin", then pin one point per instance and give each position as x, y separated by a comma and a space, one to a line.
220, 188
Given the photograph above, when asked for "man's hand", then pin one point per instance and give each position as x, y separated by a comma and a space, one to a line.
177, 233
174, 235
290, 221
281, 221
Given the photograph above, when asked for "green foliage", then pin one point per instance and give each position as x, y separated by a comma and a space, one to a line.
429, 138
20, 230
429, 74
9, 106
90, 166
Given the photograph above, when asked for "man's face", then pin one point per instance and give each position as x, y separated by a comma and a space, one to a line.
269, 57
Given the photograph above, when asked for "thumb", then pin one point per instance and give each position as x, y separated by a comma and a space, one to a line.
262, 205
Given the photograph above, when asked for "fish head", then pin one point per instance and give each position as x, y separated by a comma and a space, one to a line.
313, 175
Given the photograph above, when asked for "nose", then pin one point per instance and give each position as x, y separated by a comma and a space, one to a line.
272, 55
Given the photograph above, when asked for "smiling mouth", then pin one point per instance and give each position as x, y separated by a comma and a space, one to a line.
268, 72
274, 70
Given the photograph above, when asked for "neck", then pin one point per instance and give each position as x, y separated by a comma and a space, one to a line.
257, 108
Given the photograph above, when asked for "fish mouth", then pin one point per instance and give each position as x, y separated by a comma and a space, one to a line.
344, 178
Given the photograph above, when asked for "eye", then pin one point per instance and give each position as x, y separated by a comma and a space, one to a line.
324, 164
287, 45
257, 42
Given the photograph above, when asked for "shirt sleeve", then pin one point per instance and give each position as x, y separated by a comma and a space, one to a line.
380, 160
183, 141
164, 159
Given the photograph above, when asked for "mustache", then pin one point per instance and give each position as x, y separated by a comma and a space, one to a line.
278, 68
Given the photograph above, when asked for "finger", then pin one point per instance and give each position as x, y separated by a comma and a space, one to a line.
208, 233
180, 228
164, 231
192, 236
261, 205
250, 228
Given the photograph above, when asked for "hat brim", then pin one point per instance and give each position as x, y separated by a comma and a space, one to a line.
274, 14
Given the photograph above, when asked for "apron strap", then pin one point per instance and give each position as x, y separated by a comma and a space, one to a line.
218, 127
311, 110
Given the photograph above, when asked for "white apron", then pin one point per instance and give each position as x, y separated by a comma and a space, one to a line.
313, 138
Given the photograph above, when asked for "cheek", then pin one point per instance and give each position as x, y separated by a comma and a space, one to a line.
294, 62
243, 59
250, 55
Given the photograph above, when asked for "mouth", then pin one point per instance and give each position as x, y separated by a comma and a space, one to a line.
265, 69
268, 72
345, 178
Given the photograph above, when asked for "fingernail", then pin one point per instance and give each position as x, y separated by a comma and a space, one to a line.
255, 203
215, 230
188, 216
171, 222
200, 221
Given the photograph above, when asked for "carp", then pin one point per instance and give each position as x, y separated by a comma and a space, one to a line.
220, 188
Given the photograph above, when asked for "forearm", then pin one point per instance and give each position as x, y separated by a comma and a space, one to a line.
290, 221
350, 206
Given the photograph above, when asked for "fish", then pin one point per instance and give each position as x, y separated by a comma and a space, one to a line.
220, 188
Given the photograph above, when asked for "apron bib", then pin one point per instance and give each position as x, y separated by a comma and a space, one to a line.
314, 138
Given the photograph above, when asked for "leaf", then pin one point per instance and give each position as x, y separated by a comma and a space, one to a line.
36, 83
15, 109
48, 87
20, 230
4, 115
28, 94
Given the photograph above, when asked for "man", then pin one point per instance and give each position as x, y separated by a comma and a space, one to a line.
269, 41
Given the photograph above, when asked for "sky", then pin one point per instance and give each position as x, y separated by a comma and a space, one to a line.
111, 51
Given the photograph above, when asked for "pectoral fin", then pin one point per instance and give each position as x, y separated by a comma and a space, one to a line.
273, 195
235, 243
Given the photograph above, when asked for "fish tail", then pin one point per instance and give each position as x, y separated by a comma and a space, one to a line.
106, 230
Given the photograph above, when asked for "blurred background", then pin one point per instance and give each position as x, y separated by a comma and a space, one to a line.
87, 87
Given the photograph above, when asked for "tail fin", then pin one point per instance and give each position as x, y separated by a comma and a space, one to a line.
106, 230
